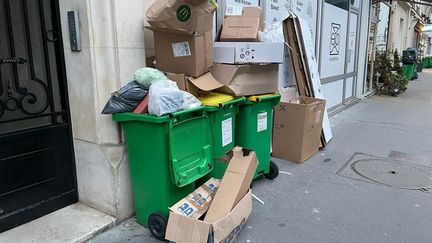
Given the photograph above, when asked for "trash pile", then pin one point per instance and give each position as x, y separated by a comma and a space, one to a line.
200, 125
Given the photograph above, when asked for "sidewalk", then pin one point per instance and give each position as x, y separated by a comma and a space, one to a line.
317, 205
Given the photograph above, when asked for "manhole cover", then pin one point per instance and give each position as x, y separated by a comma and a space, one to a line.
392, 173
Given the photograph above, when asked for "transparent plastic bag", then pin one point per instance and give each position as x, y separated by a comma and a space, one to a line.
165, 98
125, 99
272, 33
146, 76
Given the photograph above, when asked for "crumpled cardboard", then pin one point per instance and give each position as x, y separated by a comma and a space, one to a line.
192, 16
234, 185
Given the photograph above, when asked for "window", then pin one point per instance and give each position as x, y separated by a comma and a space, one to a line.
344, 4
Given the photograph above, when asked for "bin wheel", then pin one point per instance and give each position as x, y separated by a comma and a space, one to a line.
157, 223
274, 171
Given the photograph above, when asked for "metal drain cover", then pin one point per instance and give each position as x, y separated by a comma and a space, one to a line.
394, 174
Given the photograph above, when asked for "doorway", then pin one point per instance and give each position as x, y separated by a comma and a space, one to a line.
37, 168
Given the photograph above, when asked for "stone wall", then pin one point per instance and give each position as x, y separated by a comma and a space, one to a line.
113, 47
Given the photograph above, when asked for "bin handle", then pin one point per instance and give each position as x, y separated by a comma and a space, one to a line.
179, 113
239, 100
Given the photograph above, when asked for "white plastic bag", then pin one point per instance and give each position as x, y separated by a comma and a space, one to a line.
165, 98
272, 33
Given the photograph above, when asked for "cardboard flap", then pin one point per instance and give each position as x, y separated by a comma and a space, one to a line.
182, 229
236, 218
206, 82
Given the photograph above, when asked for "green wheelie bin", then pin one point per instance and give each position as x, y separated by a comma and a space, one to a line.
409, 61
255, 131
221, 110
167, 155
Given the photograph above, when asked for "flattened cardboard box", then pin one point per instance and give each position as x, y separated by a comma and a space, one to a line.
183, 229
234, 185
197, 203
241, 26
192, 16
180, 52
297, 129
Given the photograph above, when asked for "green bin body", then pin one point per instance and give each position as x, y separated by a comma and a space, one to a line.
254, 129
167, 155
220, 116
222, 121
409, 70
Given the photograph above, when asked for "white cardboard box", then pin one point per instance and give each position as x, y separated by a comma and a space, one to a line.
248, 52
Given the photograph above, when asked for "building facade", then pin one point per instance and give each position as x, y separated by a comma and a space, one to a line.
55, 90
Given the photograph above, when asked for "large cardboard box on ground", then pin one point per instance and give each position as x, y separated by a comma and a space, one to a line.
248, 52
192, 16
183, 229
245, 80
297, 129
180, 52
234, 185
241, 24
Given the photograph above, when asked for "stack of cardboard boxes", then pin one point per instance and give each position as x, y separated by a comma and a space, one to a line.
236, 64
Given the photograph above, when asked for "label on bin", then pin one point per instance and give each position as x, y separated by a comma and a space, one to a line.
262, 122
227, 131
181, 49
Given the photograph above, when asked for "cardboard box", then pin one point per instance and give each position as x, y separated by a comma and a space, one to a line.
220, 12
297, 129
180, 52
234, 185
235, 80
248, 52
244, 80
194, 17
183, 229
197, 203
241, 24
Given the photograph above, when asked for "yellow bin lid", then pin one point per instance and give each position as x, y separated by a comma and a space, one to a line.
214, 99
258, 97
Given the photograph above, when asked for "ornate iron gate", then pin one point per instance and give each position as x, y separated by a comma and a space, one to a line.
37, 169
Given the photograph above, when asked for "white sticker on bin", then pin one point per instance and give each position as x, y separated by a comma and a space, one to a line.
232, 10
262, 122
181, 49
227, 132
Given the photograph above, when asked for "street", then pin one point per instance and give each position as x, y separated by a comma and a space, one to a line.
316, 204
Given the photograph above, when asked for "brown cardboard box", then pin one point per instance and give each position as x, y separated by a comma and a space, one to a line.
180, 52
234, 185
183, 229
192, 16
297, 129
242, 28
244, 80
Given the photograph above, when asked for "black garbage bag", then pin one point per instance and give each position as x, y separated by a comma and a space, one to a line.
125, 99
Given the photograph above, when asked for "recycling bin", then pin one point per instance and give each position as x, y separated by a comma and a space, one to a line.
409, 60
166, 155
221, 110
255, 131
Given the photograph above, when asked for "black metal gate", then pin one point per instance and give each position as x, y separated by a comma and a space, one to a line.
37, 169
